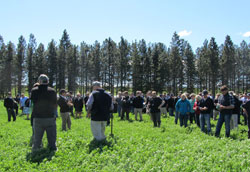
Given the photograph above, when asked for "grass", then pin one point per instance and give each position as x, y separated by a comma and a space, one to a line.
136, 146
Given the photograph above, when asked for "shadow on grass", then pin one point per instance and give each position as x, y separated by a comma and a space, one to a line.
39, 155
100, 146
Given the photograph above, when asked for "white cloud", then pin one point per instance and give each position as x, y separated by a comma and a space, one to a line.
184, 33
247, 34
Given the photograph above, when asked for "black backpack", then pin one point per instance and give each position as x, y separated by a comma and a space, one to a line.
27, 103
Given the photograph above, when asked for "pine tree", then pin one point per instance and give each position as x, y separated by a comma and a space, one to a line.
2, 54
8, 63
124, 66
227, 62
176, 64
30, 58
20, 62
52, 63
136, 65
213, 53
190, 68
62, 59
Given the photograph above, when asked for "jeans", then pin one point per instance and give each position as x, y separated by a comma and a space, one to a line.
223, 118
205, 118
156, 117
171, 111
11, 113
44, 124
183, 120
192, 117
119, 109
176, 117
197, 119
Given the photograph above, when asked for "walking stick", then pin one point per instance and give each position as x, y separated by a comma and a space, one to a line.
112, 135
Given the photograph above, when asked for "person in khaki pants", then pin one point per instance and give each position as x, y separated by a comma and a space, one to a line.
138, 105
65, 105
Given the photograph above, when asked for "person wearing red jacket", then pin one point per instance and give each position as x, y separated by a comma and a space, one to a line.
197, 110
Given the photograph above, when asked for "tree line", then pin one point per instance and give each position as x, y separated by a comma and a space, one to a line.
125, 66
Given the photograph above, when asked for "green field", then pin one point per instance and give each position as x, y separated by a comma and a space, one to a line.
136, 146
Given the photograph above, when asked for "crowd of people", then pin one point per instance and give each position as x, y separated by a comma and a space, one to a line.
43, 102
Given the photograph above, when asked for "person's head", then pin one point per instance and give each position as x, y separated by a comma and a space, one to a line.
132, 95
87, 94
224, 90
198, 98
138, 93
154, 94
78, 95
125, 93
43, 79
183, 97
22, 95
63, 92
96, 85
205, 93
9, 94
171, 95
192, 96
119, 94
149, 93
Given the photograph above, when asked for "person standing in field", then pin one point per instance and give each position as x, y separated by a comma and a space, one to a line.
138, 105
78, 105
164, 106
22, 102
226, 106
236, 111
216, 111
85, 99
99, 107
246, 109
171, 105
183, 107
64, 105
206, 106
125, 106
197, 110
44, 103
192, 112
17, 101
118, 100
155, 103
9, 104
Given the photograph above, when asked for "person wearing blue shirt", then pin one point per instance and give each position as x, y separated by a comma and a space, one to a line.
183, 107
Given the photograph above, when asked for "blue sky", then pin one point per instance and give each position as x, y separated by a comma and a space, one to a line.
152, 20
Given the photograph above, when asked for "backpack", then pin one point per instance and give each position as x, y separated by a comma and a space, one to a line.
27, 103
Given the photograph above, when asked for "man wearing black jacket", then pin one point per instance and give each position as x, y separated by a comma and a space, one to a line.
9, 104
206, 106
99, 107
44, 100
125, 106
138, 105
65, 105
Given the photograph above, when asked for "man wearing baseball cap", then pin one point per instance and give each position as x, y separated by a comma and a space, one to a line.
99, 106
226, 105
205, 106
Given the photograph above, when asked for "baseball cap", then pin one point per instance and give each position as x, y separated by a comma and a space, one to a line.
204, 92
43, 79
96, 83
